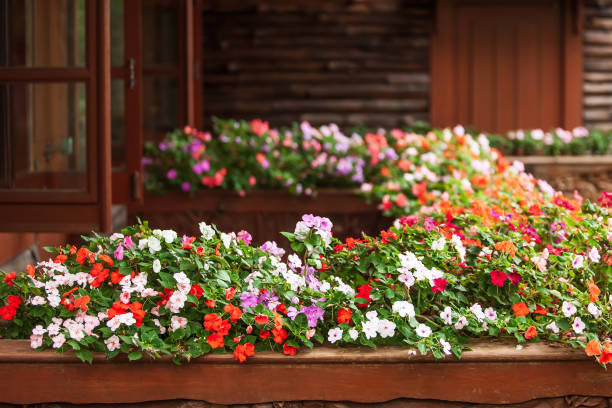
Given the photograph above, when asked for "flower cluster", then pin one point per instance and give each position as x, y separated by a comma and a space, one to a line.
480, 248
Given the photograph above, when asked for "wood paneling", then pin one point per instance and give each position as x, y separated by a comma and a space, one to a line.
346, 62
597, 80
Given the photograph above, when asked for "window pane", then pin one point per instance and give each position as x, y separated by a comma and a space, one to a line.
42, 33
118, 124
160, 104
117, 20
160, 33
45, 125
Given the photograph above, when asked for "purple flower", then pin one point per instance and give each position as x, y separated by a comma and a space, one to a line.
272, 248
245, 237
119, 253
313, 313
292, 312
162, 146
295, 299
429, 224
186, 186
171, 174
146, 161
248, 299
128, 243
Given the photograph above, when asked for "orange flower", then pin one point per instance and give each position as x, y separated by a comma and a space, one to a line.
84, 254
289, 350
279, 335
243, 351
30, 270
419, 189
278, 320
540, 310
235, 312
215, 340
82, 303
261, 319
344, 316
592, 348
210, 320
506, 247
60, 258
210, 303
384, 172
106, 258
531, 333
200, 250
520, 309
594, 291
229, 293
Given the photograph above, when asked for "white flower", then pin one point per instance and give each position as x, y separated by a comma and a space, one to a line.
461, 323
578, 262
294, 261
372, 315
446, 347
407, 278
578, 325
116, 236
446, 315
154, 244
490, 313
124, 297
386, 328
169, 236
177, 322
353, 334
333, 335
477, 310
594, 310
403, 308
156, 266
207, 231
553, 327
142, 244
39, 330
423, 330
58, 341
438, 244
36, 341
176, 301
226, 239
370, 329
594, 255
38, 300
53, 329
568, 308
112, 343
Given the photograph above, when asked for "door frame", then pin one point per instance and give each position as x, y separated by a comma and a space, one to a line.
443, 96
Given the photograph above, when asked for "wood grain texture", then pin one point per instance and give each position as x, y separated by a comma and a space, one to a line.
491, 373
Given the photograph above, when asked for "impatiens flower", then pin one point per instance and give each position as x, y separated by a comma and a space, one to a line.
353, 334
461, 323
446, 315
113, 343
344, 316
578, 262
386, 328
215, 340
370, 329
207, 231
552, 326
423, 330
333, 335
363, 292
279, 335
477, 310
520, 309
498, 278
515, 278
156, 266
578, 325
594, 255
261, 319
506, 247
594, 310
593, 348
531, 332
403, 308
245, 237
242, 351
568, 308
490, 313
446, 347
438, 244
9, 278
439, 285
606, 354
289, 350
594, 292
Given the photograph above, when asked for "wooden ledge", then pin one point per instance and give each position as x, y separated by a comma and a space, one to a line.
19, 351
493, 373
591, 160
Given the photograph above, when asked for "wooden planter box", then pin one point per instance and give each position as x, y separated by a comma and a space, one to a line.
263, 213
590, 175
493, 373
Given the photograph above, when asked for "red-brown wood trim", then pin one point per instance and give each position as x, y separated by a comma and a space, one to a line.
442, 94
492, 373
198, 72
573, 26
104, 115
36, 74
189, 58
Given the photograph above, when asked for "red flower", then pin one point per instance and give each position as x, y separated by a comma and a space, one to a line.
14, 301
281, 308
9, 278
229, 293
344, 316
264, 334
84, 254
279, 335
243, 351
606, 354
116, 277
540, 310
289, 350
261, 319
7, 312
215, 340
107, 259
210, 320
196, 290
200, 250
531, 333
515, 278
60, 258
259, 127
439, 285
73, 250
363, 292
387, 236
498, 278
520, 309
606, 199
210, 303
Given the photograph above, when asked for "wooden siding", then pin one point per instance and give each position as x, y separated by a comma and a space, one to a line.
597, 83
318, 60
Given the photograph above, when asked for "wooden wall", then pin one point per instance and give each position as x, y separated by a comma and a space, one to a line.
349, 62
597, 84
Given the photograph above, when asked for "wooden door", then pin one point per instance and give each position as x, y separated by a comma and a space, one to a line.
502, 65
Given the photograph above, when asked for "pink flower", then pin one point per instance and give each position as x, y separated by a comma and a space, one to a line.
119, 253
128, 243
439, 285
245, 237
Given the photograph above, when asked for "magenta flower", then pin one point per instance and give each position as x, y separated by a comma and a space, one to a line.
245, 237
128, 243
119, 253
171, 174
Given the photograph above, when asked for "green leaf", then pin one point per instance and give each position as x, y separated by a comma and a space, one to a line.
135, 355
85, 356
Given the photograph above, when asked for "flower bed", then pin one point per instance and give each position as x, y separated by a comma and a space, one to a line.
262, 213
493, 373
487, 251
